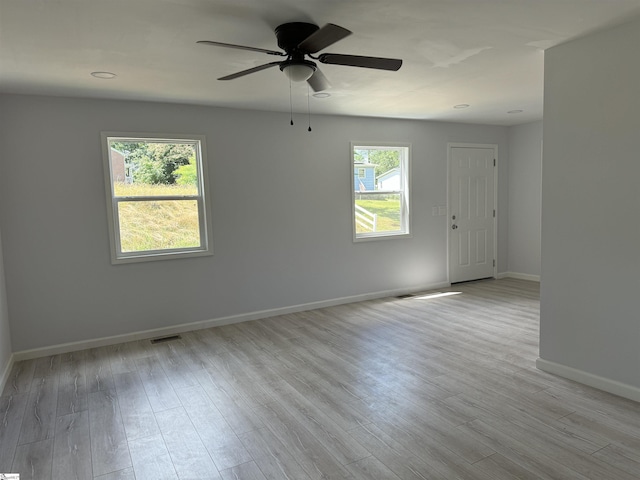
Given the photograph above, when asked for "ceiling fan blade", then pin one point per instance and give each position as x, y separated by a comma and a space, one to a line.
241, 47
323, 37
318, 81
250, 70
379, 63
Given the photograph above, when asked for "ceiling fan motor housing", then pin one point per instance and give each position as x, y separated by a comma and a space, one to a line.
290, 35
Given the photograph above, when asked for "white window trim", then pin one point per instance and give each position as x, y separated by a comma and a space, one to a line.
405, 193
204, 212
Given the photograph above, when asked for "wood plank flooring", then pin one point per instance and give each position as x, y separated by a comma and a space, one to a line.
426, 387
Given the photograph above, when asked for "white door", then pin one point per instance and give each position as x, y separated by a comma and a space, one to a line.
472, 212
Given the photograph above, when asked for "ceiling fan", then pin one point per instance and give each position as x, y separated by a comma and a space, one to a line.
300, 40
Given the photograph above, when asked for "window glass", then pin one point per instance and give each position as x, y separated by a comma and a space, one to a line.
158, 225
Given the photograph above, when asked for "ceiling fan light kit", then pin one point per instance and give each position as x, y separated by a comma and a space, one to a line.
298, 71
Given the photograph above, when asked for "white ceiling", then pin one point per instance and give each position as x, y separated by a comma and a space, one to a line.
485, 53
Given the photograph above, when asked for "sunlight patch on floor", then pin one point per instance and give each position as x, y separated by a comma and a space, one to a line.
431, 296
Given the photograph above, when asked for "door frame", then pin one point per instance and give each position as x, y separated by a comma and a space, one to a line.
493, 146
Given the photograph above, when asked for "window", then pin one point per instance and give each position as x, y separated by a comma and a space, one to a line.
380, 190
156, 196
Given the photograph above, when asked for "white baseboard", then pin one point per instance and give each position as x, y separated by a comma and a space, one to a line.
519, 276
4, 376
596, 381
217, 322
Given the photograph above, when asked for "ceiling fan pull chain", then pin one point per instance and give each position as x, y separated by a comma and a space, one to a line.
308, 107
290, 103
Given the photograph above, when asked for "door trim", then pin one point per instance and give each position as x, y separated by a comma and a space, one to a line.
493, 146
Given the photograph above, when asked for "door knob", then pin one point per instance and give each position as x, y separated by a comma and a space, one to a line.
454, 227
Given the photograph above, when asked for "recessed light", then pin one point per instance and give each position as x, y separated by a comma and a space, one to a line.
104, 75
462, 105
515, 111
322, 95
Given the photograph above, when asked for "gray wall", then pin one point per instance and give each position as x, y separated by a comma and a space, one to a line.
525, 178
281, 214
5, 332
590, 206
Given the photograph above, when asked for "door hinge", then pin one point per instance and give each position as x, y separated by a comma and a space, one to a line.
494, 263
494, 162
494, 213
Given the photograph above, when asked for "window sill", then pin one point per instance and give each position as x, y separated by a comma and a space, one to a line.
381, 236
158, 256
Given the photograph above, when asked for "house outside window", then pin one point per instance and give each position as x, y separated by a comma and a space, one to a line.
364, 176
156, 187
381, 196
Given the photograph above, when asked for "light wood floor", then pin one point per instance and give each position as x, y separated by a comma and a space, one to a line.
416, 388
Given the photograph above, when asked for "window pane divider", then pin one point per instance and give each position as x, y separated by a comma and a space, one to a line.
142, 198
379, 192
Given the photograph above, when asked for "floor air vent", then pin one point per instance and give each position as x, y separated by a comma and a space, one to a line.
165, 339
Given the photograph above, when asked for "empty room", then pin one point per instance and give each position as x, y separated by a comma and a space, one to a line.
311, 240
